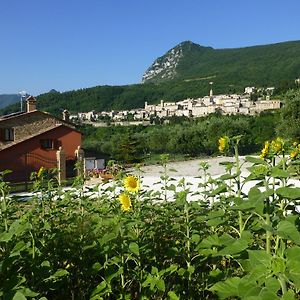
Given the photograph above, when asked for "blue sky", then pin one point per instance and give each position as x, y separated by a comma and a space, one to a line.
72, 44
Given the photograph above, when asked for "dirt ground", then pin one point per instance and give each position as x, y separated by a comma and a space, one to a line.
187, 169
191, 167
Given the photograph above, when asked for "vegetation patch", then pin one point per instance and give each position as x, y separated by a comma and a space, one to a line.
128, 242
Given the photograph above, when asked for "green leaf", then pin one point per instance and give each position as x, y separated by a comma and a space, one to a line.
259, 258
293, 265
279, 173
134, 248
227, 176
195, 238
272, 284
215, 214
45, 263
173, 268
265, 294
161, 285
19, 227
113, 272
173, 296
6, 236
237, 246
154, 270
289, 295
99, 288
215, 222
278, 265
58, 274
221, 189
236, 287
289, 192
289, 231
96, 267
107, 237
255, 160
210, 241
226, 239
20, 246
18, 296
29, 293
191, 270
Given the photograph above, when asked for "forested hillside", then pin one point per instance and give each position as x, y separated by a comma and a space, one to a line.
256, 65
120, 97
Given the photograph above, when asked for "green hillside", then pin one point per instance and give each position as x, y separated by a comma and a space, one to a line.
119, 97
257, 65
193, 67
7, 99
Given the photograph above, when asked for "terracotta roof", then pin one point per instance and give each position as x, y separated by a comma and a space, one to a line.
3, 147
22, 114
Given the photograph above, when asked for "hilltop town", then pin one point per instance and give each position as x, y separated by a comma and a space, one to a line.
251, 102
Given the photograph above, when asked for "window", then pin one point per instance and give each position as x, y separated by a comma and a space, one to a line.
47, 144
9, 134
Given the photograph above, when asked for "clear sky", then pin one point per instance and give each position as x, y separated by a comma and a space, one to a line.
72, 44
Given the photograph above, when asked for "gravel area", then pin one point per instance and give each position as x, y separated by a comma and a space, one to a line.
191, 167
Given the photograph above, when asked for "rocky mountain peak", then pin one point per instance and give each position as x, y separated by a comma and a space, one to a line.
165, 66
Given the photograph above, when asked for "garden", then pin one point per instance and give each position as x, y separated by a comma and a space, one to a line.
128, 241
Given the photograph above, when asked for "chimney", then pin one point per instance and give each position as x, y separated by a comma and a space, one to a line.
66, 115
30, 104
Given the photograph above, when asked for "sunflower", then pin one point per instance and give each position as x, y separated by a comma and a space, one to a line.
265, 150
125, 201
40, 172
294, 153
223, 143
277, 145
131, 184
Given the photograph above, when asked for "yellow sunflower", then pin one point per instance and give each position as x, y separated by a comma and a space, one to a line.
40, 172
265, 150
223, 143
294, 153
277, 145
125, 201
131, 184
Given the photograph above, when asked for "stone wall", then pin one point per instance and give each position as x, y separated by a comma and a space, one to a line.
28, 124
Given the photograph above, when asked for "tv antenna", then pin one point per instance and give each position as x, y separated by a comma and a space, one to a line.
23, 94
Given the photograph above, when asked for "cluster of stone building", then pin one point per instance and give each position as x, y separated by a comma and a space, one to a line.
225, 104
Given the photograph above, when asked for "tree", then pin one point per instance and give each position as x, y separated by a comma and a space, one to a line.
289, 126
128, 148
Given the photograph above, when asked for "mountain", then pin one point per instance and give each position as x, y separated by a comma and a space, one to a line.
186, 71
256, 65
7, 99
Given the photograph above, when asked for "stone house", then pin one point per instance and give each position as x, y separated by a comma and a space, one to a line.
32, 139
